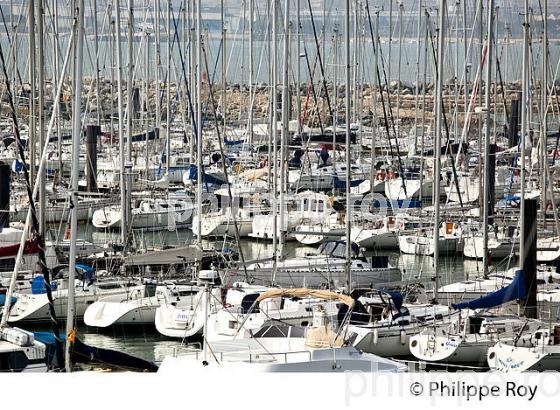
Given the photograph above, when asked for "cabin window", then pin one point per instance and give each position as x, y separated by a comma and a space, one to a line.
108, 286
184, 293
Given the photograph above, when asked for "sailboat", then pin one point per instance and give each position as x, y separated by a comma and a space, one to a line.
467, 341
151, 213
34, 307
468, 338
305, 212
137, 307
381, 233
420, 242
325, 268
318, 349
541, 354
222, 222
184, 315
383, 324
273, 309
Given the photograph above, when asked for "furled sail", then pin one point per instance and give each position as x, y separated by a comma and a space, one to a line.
515, 290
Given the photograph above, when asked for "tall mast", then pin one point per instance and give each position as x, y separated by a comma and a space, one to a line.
157, 79
124, 222
168, 93
479, 85
427, 23
437, 141
250, 113
417, 88
285, 122
348, 159
399, 66
56, 59
456, 82
224, 66
130, 81
186, 45
199, 117
465, 64
390, 41
374, 99
96, 62
40, 114
545, 118
486, 200
335, 94
14, 27
112, 39
354, 42
76, 134
146, 108
32, 84
273, 133
524, 128
129, 115
298, 66
192, 73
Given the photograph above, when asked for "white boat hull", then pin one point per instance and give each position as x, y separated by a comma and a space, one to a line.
474, 247
511, 359
105, 313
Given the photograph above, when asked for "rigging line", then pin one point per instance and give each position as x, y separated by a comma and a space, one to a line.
310, 90
311, 87
547, 50
321, 66
446, 125
385, 117
39, 239
502, 85
224, 167
187, 87
10, 42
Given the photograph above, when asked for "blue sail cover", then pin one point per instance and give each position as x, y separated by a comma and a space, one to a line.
39, 286
397, 297
233, 142
3, 300
515, 290
396, 204
340, 183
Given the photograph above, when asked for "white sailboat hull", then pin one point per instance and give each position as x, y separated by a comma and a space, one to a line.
109, 312
474, 247
394, 189
511, 359
375, 239
421, 245
34, 308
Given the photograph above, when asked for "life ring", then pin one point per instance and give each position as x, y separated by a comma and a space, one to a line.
380, 176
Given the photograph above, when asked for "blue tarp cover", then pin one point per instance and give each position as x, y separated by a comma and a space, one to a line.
3, 300
397, 297
38, 285
515, 290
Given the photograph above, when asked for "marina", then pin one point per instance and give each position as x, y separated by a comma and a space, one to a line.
283, 186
